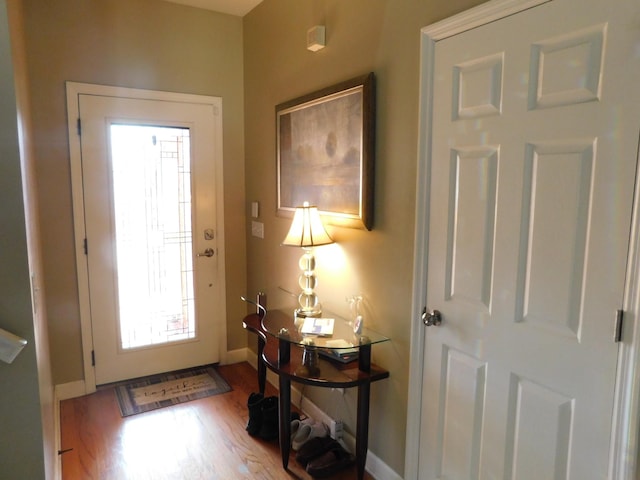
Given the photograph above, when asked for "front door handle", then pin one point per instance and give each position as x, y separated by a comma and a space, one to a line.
431, 318
207, 253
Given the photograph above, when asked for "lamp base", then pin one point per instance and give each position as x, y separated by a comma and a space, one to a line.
306, 313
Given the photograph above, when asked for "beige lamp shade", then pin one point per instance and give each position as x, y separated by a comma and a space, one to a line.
307, 229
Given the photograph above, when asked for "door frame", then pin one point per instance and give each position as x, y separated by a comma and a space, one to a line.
626, 416
74, 90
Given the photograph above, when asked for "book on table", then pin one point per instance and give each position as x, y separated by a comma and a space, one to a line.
341, 351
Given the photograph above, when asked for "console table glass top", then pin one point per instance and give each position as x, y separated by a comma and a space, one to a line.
284, 325
279, 321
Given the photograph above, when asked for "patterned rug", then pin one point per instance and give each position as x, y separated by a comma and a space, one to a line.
165, 389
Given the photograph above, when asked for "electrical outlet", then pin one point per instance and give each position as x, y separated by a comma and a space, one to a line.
336, 429
257, 229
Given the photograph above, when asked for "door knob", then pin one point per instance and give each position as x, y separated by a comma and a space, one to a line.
207, 253
431, 318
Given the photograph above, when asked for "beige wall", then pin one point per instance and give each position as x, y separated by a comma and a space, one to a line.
27, 438
381, 36
41, 337
147, 44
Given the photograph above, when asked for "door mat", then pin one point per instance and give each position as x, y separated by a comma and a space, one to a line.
165, 389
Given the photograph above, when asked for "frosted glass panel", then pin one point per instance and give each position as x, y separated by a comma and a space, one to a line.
151, 177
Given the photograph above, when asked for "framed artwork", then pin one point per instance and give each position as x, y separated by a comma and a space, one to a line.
325, 152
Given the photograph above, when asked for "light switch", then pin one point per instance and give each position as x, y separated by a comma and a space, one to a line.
255, 209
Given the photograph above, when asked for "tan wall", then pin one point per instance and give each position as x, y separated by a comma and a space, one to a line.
26, 438
41, 337
147, 44
381, 36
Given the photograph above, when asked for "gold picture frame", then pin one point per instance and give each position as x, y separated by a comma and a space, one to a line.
325, 152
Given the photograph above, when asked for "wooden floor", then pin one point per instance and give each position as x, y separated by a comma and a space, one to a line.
201, 439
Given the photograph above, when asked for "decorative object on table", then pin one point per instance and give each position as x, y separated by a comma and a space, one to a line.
357, 319
165, 389
306, 232
325, 152
310, 366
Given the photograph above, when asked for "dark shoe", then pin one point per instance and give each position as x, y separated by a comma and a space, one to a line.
270, 425
331, 462
254, 404
314, 448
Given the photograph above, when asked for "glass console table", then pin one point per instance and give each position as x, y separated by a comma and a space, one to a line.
278, 331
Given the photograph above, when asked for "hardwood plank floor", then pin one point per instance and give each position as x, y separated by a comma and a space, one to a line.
201, 439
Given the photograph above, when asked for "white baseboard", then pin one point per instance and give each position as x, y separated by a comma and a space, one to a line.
65, 391
235, 356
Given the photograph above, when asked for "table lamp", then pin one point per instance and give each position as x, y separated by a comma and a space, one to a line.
306, 232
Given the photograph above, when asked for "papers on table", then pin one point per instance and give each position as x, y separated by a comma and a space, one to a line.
318, 326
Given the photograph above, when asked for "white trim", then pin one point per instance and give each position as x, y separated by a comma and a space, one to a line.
423, 175
478, 16
380, 470
74, 89
235, 356
65, 391
626, 417
57, 469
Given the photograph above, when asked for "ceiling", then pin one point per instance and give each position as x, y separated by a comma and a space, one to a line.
232, 7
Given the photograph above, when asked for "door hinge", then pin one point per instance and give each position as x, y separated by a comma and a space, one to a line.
93, 358
79, 127
85, 245
617, 334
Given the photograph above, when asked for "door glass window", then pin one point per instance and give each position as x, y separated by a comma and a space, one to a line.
151, 178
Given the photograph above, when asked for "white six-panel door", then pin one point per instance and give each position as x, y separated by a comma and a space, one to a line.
533, 160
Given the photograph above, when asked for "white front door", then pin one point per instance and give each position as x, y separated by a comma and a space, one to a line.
153, 233
535, 126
